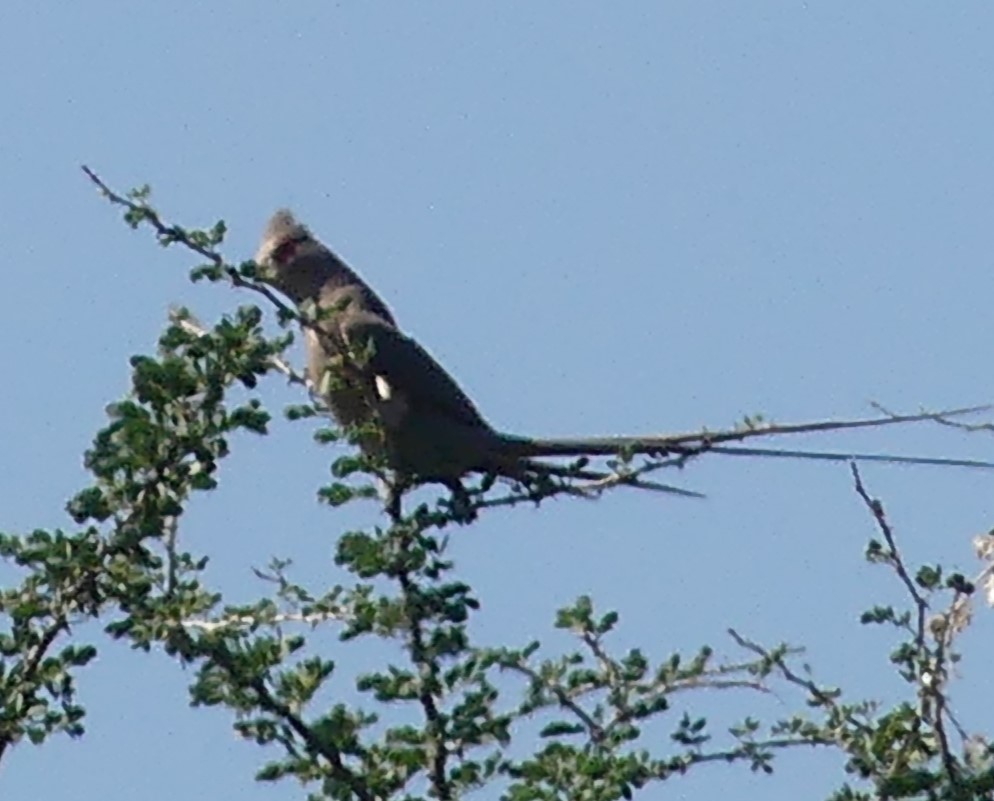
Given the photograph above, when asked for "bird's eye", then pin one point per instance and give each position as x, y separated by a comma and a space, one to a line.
285, 251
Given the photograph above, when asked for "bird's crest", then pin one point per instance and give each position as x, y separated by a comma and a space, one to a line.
282, 228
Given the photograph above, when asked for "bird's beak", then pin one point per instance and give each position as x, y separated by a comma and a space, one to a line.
264, 255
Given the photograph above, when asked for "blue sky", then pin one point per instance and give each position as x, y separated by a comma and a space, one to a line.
602, 218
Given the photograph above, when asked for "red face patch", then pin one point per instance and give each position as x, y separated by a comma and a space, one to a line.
285, 251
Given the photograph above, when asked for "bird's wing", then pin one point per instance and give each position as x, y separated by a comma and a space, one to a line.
344, 287
399, 366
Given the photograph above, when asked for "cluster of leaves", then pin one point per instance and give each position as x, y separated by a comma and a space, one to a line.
473, 705
162, 444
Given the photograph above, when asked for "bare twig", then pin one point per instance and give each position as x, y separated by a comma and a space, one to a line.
249, 621
171, 527
877, 510
774, 429
932, 665
563, 697
189, 323
709, 683
968, 427
173, 233
315, 744
426, 662
630, 478
814, 691
32, 663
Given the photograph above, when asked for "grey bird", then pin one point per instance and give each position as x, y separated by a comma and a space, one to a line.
370, 371
307, 272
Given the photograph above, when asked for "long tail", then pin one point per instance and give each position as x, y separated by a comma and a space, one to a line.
679, 444
828, 456
525, 467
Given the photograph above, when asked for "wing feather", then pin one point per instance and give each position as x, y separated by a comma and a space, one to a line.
409, 370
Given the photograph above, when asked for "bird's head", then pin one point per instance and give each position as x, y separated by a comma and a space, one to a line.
290, 257
282, 240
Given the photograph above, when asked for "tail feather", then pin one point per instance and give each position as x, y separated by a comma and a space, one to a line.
935, 461
678, 444
526, 469
576, 448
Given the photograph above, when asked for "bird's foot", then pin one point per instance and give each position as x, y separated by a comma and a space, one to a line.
393, 496
461, 504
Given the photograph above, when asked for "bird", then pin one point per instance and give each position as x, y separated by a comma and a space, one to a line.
310, 274
425, 426
429, 430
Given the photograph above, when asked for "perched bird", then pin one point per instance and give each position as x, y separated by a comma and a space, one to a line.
370, 371
306, 271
